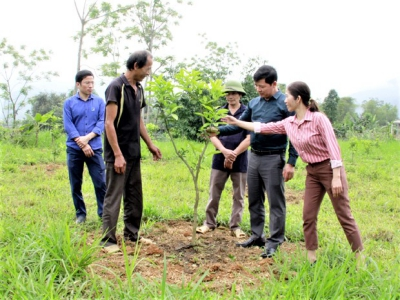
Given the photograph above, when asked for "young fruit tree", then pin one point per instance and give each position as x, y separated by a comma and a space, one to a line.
166, 94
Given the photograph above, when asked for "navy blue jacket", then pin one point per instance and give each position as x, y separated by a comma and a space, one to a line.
231, 142
261, 110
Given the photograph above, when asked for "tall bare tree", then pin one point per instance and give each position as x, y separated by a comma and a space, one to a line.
94, 19
151, 22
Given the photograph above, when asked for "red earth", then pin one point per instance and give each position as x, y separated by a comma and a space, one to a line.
215, 253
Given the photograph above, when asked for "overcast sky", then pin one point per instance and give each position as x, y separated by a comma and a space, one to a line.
342, 44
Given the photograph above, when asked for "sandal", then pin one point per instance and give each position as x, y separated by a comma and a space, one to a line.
203, 229
146, 241
111, 249
238, 233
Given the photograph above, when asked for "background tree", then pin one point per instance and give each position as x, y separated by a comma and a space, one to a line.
101, 17
19, 70
248, 82
358, 125
282, 87
371, 106
329, 106
108, 45
151, 22
372, 123
46, 102
36, 123
248, 86
218, 61
385, 113
346, 107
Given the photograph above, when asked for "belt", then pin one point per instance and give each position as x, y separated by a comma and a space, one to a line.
271, 152
320, 163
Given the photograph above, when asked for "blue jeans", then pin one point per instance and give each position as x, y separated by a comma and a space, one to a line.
95, 164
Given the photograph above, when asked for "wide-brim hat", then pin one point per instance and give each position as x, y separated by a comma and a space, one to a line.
234, 86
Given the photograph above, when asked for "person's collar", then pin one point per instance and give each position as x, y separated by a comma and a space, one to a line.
277, 94
308, 117
126, 82
274, 96
125, 79
80, 98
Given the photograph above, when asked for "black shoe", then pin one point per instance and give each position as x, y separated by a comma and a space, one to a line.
80, 219
252, 241
107, 242
269, 252
131, 238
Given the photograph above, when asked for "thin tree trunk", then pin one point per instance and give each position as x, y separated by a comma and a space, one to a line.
78, 66
14, 115
195, 214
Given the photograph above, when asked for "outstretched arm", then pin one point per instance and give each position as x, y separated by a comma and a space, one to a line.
233, 121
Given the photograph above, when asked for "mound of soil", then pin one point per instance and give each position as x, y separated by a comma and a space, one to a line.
215, 255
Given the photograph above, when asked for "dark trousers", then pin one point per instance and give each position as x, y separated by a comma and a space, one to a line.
128, 186
319, 182
264, 174
95, 164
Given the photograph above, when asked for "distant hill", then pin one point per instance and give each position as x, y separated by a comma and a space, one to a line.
388, 93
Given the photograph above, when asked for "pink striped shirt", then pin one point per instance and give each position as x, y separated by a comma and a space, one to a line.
313, 137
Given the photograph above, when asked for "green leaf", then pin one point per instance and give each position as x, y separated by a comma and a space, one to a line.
38, 117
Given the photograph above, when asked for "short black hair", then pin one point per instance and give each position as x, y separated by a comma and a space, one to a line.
267, 73
139, 57
82, 75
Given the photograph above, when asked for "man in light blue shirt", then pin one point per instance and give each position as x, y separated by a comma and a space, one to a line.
83, 118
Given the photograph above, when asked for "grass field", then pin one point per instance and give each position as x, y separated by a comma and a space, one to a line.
44, 255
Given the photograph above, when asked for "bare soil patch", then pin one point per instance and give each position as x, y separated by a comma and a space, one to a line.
293, 197
49, 168
216, 253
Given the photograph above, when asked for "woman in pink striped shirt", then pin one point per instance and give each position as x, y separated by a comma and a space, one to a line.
311, 133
